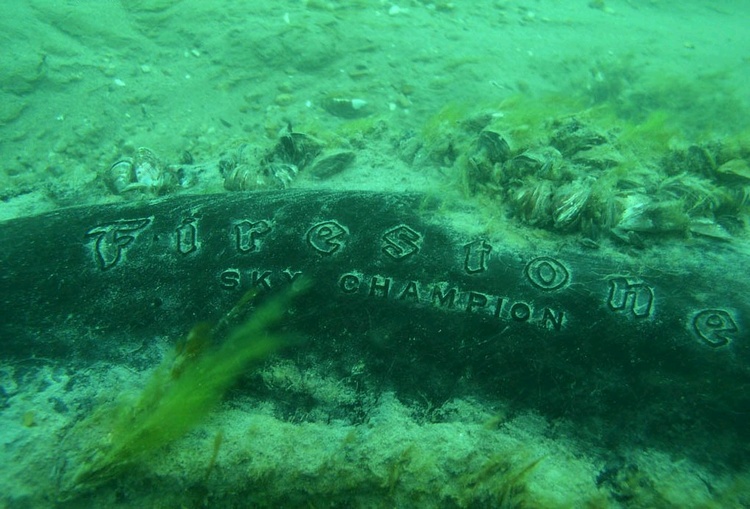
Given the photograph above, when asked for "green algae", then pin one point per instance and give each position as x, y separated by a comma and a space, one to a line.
182, 390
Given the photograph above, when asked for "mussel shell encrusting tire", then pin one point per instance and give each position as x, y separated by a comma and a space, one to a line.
332, 163
244, 170
144, 172
494, 145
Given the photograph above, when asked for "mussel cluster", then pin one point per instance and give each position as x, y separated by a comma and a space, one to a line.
144, 173
580, 179
243, 169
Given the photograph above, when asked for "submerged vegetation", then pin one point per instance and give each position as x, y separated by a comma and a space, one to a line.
182, 390
634, 160
118, 443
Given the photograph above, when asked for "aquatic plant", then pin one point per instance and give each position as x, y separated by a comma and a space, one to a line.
636, 164
182, 390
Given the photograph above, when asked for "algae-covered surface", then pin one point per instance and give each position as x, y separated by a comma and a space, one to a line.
619, 126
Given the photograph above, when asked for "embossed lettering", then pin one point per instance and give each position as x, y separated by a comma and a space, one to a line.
326, 237
258, 279
401, 242
380, 286
499, 306
249, 234
547, 273
187, 236
477, 254
441, 295
410, 292
638, 298
475, 301
112, 238
229, 279
349, 283
292, 275
443, 298
520, 311
715, 327
550, 319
